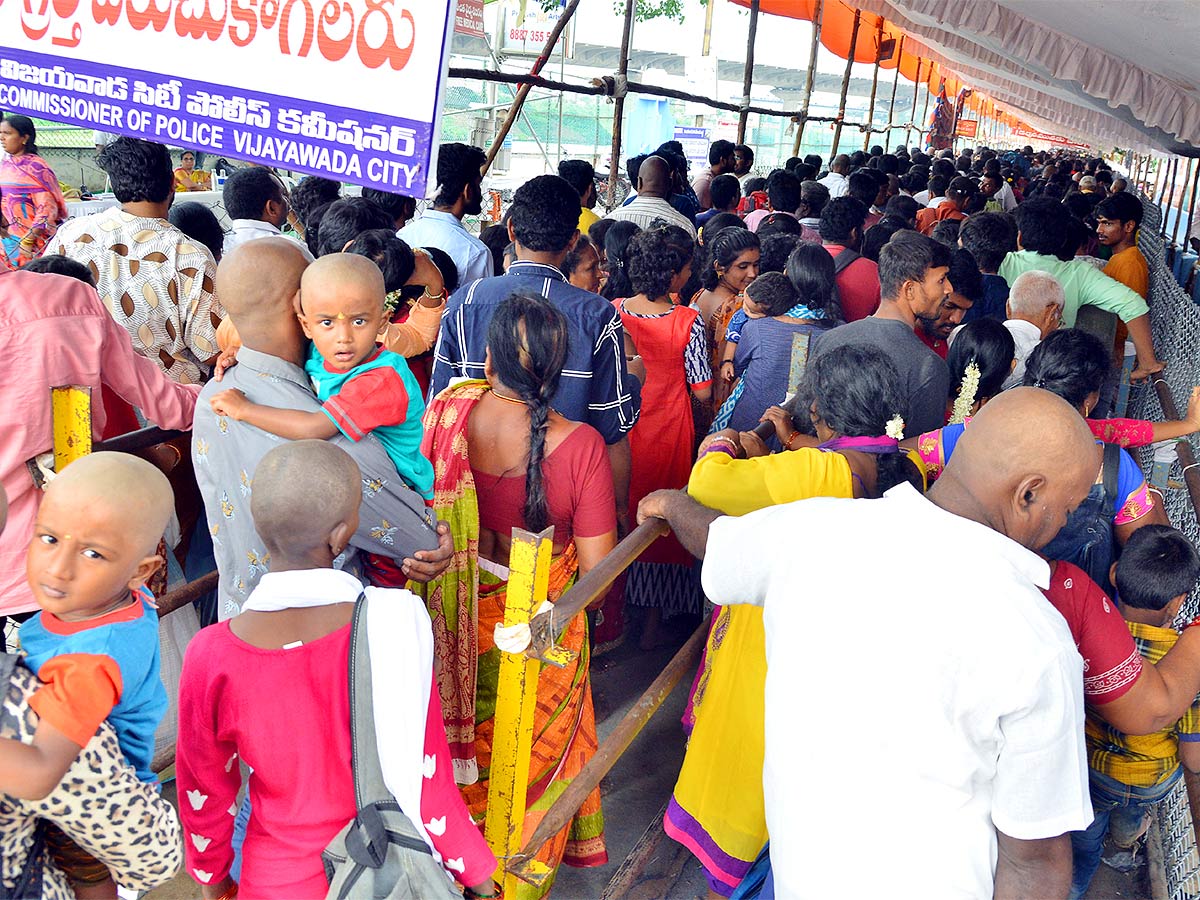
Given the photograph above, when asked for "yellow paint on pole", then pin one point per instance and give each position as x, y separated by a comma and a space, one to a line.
71, 418
516, 700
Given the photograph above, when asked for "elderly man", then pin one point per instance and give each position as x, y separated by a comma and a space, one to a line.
980, 752
261, 279
838, 179
155, 280
1041, 232
1035, 305
650, 205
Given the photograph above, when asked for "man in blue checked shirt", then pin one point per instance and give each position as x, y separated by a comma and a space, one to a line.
595, 387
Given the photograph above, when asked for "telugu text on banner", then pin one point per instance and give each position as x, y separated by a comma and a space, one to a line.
350, 90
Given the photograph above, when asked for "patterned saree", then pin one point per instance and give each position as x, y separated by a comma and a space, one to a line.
466, 604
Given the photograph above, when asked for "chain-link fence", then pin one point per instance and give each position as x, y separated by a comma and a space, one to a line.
1176, 323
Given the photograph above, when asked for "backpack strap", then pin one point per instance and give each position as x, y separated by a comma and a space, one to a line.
844, 260
1110, 474
368, 776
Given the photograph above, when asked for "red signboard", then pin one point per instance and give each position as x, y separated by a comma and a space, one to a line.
967, 128
468, 18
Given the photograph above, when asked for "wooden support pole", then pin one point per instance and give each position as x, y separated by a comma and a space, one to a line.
921, 129
516, 704
887, 135
841, 114
706, 44
810, 76
913, 116
874, 87
619, 106
71, 423
564, 808
1187, 176
748, 74
523, 91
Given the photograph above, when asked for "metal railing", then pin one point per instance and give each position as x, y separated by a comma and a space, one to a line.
529, 572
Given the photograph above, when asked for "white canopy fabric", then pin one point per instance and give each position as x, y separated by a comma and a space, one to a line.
1110, 72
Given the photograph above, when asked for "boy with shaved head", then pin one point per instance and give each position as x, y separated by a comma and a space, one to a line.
95, 642
363, 388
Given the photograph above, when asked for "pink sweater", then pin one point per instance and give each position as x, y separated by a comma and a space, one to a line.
286, 714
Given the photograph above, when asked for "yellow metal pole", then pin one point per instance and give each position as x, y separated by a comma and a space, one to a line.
516, 701
71, 420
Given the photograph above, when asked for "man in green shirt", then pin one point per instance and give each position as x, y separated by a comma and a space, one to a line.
1041, 231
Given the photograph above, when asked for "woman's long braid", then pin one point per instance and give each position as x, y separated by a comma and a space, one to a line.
536, 511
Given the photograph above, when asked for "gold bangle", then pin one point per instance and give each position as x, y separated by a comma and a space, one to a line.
438, 297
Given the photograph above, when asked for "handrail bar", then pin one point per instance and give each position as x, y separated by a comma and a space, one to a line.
138, 440
548, 627
1187, 459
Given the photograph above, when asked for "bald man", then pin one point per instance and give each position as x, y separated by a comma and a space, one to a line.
943, 687
651, 205
263, 281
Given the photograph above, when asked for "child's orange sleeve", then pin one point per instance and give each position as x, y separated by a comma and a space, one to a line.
78, 693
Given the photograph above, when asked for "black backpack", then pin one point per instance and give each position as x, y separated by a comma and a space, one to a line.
29, 880
1087, 538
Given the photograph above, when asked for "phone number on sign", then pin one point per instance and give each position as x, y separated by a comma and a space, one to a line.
527, 34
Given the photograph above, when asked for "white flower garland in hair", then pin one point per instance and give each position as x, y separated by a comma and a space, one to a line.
966, 394
895, 427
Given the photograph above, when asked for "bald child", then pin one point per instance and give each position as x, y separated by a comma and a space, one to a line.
363, 388
95, 642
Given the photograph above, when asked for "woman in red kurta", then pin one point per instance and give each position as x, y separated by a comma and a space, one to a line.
673, 348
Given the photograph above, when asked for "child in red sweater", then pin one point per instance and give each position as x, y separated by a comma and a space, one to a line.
271, 687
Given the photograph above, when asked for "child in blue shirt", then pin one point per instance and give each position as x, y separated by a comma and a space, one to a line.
363, 388
94, 645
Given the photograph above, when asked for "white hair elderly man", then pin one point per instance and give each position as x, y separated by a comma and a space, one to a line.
1035, 305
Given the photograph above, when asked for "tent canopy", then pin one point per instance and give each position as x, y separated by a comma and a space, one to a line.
1109, 72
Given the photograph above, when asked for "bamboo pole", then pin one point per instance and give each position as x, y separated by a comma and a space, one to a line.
748, 75
809, 78
925, 111
706, 44
619, 106
887, 137
912, 118
523, 91
874, 87
837, 127
1179, 214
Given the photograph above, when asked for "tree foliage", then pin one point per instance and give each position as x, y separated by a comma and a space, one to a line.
645, 10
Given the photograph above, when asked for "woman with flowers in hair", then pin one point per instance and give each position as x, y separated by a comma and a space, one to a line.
850, 400
979, 360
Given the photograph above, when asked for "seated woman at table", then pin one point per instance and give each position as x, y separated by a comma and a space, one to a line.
188, 177
504, 459
31, 202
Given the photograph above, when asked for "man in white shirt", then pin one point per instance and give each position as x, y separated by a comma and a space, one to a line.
1035, 306
459, 194
953, 719
256, 202
838, 181
650, 205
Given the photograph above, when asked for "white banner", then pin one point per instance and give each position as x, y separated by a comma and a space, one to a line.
351, 90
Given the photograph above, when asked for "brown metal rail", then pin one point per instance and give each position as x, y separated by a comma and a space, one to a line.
549, 626
185, 594
564, 808
138, 440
